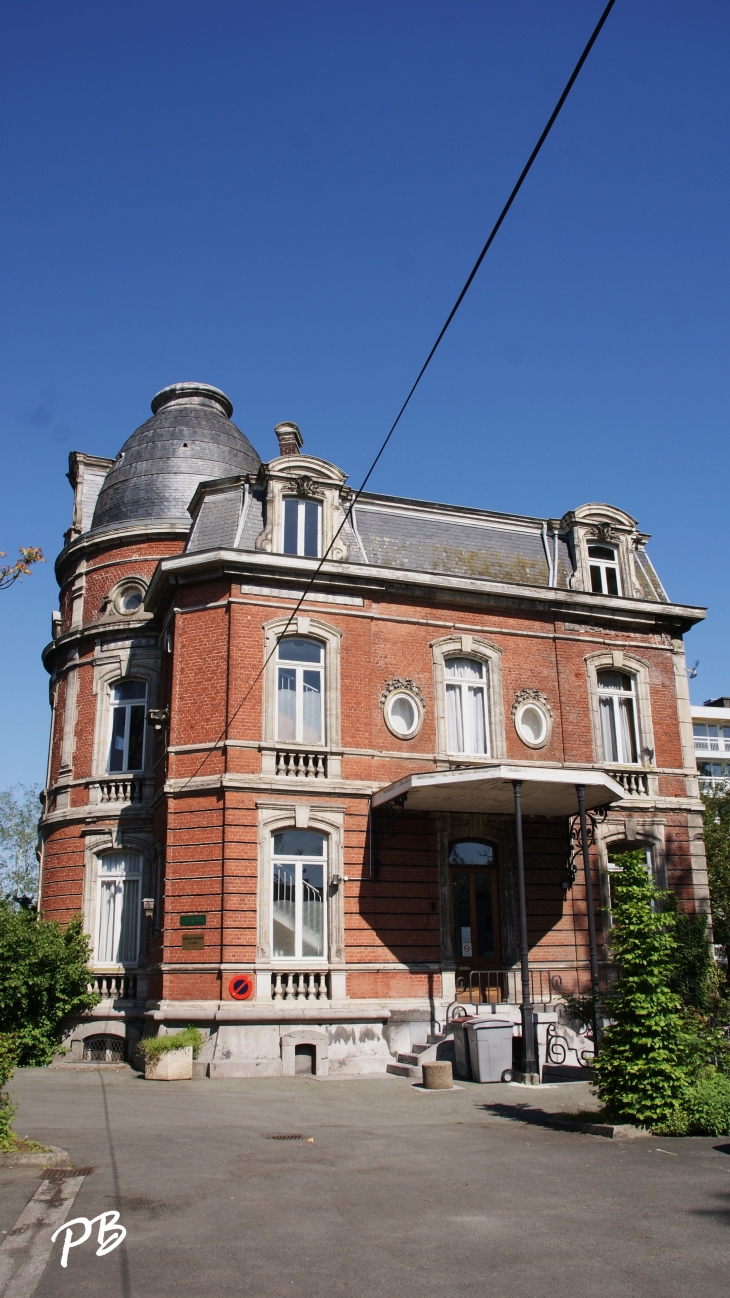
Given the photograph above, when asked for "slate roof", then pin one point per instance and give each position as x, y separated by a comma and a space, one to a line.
189, 438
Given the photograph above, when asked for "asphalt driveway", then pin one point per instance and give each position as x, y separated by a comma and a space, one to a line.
398, 1192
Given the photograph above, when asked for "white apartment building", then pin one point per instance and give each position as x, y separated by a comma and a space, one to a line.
711, 725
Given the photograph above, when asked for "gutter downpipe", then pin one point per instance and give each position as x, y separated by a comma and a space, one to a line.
546, 548
580, 790
529, 1072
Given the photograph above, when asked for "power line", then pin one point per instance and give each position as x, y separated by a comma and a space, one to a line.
522, 177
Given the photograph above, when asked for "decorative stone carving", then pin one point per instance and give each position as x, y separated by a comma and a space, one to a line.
606, 533
304, 486
531, 696
401, 683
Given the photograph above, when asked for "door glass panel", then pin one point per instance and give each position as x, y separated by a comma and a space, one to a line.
484, 914
311, 528
471, 853
287, 705
116, 754
284, 911
461, 893
291, 518
312, 910
136, 739
312, 708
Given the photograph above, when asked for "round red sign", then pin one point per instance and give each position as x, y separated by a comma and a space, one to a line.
241, 987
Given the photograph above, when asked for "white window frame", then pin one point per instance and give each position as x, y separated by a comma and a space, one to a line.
299, 668
617, 698
295, 863
113, 708
302, 502
130, 869
604, 565
470, 646
631, 665
464, 687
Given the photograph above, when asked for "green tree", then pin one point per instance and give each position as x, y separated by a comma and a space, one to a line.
717, 847
18, 837
642, 1062
44, 976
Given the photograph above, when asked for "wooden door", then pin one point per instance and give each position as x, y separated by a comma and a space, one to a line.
475, 919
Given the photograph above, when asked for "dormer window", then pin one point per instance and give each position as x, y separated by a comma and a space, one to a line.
302, 527
604, 570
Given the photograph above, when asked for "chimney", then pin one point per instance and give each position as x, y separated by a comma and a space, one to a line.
290, 439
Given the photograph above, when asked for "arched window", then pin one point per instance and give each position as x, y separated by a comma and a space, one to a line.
300, 691
604, 570
302, 527
126, 745
118, 903
467, 723
299, 882
617, 702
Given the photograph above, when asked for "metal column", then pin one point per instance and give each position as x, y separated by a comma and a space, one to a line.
529, 1062
580, 790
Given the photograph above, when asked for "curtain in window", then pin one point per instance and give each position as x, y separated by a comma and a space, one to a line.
312, 708
477, 718
118, 921
287, 704
608, 731
628, 729
454, 720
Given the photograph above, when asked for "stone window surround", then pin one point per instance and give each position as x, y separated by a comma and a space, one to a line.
109, 669
311, 628
469, 646
603, 525
96, 845
618, 660
307, 478
327, 820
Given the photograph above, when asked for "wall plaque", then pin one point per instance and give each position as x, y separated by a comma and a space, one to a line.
193, 921
193, 941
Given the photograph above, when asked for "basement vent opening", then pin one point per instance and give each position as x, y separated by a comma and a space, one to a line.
285, 1136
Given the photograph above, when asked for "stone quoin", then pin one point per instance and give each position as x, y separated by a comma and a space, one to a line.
324, 806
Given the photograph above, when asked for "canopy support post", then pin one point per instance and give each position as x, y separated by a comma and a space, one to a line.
529, 1063
580, 791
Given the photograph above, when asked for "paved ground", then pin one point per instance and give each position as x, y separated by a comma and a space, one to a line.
402, 1192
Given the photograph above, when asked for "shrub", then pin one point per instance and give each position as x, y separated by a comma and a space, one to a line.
690, 976
8, 1058
717, 846
705, 1110
642, 1061
151, 1048
43, 977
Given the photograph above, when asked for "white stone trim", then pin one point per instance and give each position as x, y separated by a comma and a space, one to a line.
329, 821
315, 629
134, 663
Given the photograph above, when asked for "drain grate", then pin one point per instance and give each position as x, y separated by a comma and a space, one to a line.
285, 1136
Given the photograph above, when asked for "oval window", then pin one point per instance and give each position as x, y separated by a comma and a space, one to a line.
402, 715
532, 724
131, 600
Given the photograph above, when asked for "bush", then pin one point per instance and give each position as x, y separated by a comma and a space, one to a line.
151, 1048
705, 1110
8, 1058
43, 977
717, 846
642, 1064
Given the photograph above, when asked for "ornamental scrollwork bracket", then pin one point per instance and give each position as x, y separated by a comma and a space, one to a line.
531, 696
304, 486
575, 848
605, 532
401, 683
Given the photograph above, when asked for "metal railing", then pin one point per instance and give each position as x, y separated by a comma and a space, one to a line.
504, 986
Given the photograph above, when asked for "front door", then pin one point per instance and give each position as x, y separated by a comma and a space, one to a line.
475, 915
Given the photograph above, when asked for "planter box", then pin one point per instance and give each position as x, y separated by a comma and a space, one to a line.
173, 1066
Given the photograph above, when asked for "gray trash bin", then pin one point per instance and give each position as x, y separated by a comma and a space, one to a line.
490, 1050
462, 1053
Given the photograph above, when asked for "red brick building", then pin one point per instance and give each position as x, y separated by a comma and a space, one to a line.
294, 824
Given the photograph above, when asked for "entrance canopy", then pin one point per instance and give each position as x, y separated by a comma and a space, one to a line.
546, 790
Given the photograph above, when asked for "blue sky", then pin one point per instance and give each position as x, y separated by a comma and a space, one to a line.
283, 199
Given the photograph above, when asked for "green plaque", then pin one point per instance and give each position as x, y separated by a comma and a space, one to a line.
192, 921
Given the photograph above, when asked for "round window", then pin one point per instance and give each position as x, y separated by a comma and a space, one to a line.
130, 600
402, 715
532, 724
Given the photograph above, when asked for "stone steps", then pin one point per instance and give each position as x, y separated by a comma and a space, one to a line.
409, 1064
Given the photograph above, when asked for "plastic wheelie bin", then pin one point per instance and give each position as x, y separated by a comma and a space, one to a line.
462, 1067
490, 1050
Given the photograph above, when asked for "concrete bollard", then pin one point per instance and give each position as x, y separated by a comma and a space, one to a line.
438, 1077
